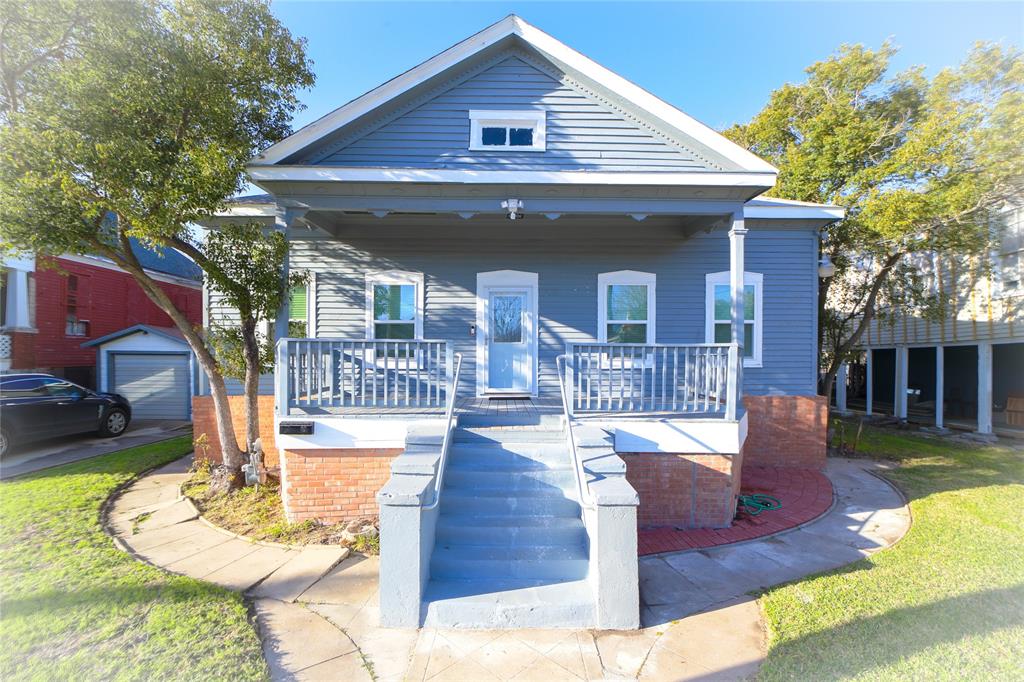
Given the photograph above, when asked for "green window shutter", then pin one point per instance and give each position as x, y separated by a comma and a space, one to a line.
297, 304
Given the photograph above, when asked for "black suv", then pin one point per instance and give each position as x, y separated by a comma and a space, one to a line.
38, 406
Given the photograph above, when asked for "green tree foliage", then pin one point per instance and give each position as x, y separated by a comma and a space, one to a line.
147, 112
248, 277
919, 164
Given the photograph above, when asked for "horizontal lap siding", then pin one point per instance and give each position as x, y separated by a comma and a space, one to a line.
568, 272
582, 134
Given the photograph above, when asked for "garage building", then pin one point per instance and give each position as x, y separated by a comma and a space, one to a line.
153, 367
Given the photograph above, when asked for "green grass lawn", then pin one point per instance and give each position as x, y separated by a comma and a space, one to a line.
74, 607
947, 602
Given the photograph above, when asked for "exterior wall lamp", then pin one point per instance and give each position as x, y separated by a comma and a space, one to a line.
514, 208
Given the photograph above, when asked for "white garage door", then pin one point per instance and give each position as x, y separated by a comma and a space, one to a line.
156, 385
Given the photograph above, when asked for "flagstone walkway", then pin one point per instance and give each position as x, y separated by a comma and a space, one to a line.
317, 607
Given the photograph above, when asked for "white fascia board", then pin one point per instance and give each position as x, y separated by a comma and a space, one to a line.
263, 173
642, 99
384, 93
344, 433
513, 25
689, 436
794, 212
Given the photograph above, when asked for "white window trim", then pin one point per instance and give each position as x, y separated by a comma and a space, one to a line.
605, 279
525, 118
749, 278
394, 277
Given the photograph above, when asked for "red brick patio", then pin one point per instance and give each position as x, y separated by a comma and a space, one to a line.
805, 494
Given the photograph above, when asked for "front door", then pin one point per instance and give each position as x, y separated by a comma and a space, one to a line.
509, 361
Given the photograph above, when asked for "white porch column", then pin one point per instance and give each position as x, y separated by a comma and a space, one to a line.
17, 300
940, 372
985, 387
283, 221
734, 401
902, 368
869, 386
841, 388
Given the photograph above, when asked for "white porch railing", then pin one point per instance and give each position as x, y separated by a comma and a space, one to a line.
347, 373
695, 378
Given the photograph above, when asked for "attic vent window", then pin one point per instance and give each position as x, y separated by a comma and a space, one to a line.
513, 130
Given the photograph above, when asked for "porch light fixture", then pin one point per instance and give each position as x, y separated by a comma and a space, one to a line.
826, 268
514, 208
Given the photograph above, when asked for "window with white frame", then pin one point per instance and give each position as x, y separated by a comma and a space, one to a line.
523, 131
718, 311
1008, 268
394, 305
625, 308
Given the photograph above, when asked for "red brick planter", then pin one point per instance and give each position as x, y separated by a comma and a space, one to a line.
806, 494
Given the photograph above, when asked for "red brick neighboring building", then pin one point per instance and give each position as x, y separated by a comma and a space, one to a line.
53, 305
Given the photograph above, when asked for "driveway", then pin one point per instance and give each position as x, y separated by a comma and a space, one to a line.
49, 453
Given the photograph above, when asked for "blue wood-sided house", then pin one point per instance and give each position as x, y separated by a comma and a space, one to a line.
511, 234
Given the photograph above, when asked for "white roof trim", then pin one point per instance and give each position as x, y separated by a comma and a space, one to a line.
264, 173
513, 25
782, 209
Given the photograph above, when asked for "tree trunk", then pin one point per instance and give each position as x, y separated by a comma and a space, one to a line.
252, 382
843, 347
232, 456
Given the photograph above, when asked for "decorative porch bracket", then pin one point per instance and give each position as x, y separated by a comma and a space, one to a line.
734, 389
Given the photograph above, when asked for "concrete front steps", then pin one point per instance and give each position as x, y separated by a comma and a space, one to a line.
510, 547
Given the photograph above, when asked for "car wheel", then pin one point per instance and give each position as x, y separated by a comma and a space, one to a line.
114, 423
5, 443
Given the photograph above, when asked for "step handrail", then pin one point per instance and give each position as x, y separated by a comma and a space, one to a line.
586, 500
449, 414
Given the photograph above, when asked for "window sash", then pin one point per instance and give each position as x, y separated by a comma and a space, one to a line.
383, 311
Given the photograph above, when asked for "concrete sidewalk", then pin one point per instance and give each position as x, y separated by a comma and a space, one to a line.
317, 607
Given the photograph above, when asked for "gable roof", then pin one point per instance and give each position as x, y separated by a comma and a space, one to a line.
171, 333
513, 31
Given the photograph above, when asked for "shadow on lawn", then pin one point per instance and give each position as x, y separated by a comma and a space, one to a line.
177, 589
904, 632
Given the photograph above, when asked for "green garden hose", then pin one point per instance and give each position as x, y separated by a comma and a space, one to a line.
757, 503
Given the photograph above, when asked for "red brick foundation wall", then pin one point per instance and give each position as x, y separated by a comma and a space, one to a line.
23, 350
786, 430
332, 486
204, 421
685, 491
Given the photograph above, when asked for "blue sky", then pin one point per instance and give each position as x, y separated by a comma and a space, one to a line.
716, 61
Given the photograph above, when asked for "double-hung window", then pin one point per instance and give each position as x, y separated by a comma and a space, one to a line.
1009, 259
394, 305
626, 307
718, 310
523, 131
298, 312
76, 300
